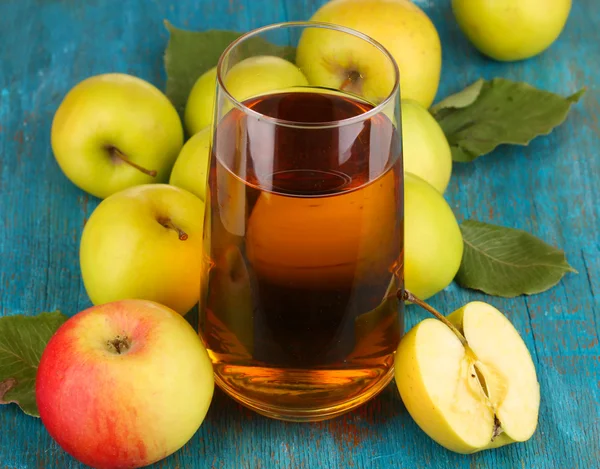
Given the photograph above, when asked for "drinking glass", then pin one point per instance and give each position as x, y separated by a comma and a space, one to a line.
303, 243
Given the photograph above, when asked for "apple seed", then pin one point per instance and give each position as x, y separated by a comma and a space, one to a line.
497, 428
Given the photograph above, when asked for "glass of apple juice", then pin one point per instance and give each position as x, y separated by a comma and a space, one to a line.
304, 221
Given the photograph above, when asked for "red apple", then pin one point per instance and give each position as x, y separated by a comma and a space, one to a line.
124, 384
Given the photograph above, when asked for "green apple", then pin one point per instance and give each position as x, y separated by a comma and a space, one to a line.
115, 131
190, 170
336, 60
123, 385
511, 29
250, 77
262, 74
433, 244
144, 243
425, 150
200, 104
470, 384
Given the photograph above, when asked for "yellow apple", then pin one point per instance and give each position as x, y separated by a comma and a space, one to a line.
200, 104
433, 244
115, 131
425, 150
262, 74
250, 77
144, 243
511, 29
191, 167
329, 58
469, 396
124, 384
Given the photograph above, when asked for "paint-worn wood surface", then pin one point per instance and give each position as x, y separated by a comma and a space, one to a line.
550, 188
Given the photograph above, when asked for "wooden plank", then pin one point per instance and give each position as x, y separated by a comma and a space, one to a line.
549, 188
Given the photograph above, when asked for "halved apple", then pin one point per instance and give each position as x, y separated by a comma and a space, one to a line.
471, 390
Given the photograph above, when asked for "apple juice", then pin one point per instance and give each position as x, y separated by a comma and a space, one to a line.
303, 253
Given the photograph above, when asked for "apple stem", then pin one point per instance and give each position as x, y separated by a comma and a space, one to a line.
408, 296
167, 223
119, 344
352, 77
115, 153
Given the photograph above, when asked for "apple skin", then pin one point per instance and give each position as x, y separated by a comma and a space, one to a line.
262, 74
126, 253
508, 30
200, 104
399, 25
425, 150
191, 168
127, 410
433, 244
115, 111
250, 77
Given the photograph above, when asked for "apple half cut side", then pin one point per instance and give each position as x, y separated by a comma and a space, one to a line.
468, 380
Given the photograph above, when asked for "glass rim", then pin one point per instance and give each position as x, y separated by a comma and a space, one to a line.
377, 109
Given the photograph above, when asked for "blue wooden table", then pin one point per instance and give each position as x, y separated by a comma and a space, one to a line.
550, 188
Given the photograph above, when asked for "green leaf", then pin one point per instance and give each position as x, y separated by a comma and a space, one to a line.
508, 262
489, 113
22, 341
461, 99
189, 54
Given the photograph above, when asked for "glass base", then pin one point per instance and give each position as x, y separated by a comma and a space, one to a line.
303, 395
